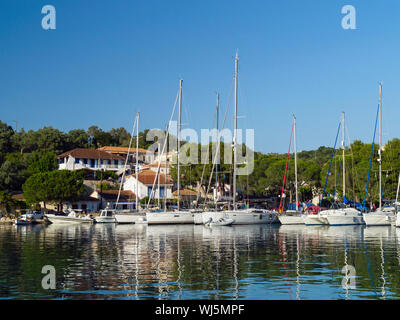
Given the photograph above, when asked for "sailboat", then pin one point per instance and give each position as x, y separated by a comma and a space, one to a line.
130, 217
321, 217
380, 217
179, 216
292, 216
240, 216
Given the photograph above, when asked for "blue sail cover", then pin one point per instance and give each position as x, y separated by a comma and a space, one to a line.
355, 204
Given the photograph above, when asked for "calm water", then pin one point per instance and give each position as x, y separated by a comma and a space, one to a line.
196, 262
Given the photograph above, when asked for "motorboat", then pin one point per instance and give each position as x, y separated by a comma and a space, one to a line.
106, 216
23, 221
72, 216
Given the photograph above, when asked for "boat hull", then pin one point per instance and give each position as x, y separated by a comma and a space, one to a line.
295, 219
372, 219
241, 217
66, 219
170, 218
129, 218
345, 220
314, 220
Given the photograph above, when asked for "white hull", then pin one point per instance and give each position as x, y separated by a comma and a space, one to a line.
106, 220
378, 219
294, 219
66, 219
198, 218
398, 220
343, 220
313, 220
181, 217
241, 216
129, 218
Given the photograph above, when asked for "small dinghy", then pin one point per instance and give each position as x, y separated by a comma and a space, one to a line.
219, 222
23, 221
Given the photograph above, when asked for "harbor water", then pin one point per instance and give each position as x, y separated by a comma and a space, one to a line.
196, 262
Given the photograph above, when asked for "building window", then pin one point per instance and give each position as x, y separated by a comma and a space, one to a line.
84, 161
92, 162
116, 162
149, 191
162, 192
77, 160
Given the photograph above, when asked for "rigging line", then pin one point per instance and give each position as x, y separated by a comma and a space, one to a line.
219, 141
287, 160
164, 145
329, 169
126, 162
206, 162
338, 176
370, 159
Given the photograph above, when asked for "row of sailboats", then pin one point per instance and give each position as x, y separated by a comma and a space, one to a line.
339, 214
234, 216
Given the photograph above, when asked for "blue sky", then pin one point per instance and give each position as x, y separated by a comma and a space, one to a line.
108, 59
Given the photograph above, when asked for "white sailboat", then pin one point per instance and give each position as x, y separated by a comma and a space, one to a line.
240, 216
130, 217
179, 216
293, 216
380, 217
321, 218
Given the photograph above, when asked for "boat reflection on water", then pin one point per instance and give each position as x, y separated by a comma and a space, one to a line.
196, 262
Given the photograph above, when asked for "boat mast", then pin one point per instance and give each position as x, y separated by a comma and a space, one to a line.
235, 132
137, 161
295, 163
216, 166
398, 187
380, 146
344, 167
179, 138
166, 171
159, 173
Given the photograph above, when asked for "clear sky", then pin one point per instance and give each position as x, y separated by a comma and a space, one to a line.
108, 59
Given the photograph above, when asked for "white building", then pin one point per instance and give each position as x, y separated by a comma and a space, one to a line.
92, 159
144, 156
145, 183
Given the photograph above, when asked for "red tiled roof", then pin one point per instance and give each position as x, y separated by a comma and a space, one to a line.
147, 177
123, 149
89, 154
154, 165
185, 192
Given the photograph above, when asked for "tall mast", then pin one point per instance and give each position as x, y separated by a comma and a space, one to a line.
166, 171
159, 173
179, 139
344, 166
137, 161
295, 163
216, 166
380, 146
235, 132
